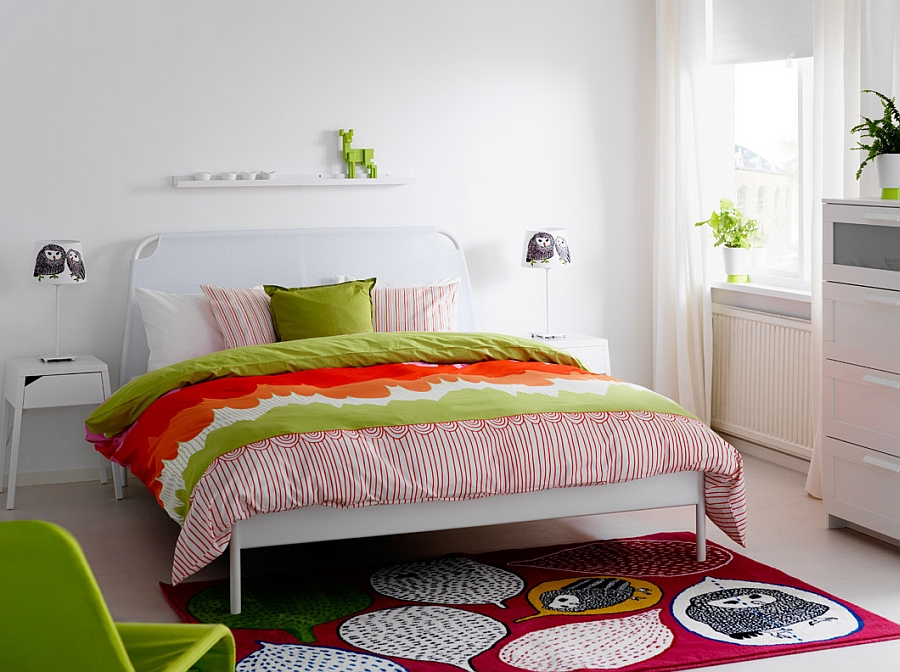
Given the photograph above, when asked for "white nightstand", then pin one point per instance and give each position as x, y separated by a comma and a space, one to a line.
593, 351
31, 383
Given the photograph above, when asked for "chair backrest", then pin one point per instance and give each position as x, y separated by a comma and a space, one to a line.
52, 614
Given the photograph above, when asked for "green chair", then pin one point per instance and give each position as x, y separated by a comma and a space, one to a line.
53, 617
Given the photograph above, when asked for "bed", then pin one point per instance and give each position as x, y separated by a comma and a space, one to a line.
706, 472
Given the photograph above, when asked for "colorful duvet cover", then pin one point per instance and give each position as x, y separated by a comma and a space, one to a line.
370, 419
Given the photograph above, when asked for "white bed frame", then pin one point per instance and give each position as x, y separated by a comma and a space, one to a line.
179, 262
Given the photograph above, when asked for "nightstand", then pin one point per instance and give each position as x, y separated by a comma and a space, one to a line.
593, 351
31, 383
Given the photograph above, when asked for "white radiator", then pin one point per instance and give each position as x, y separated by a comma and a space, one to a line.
760, 379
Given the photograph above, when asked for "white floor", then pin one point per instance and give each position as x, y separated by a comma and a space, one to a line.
129, 545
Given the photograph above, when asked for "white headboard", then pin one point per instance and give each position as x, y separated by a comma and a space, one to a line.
180, 262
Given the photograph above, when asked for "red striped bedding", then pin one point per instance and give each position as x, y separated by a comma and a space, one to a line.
361, 421
454, 461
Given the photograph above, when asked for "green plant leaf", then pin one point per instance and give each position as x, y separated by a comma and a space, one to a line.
731, 228
883, 133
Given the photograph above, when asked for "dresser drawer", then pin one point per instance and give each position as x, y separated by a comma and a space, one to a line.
862, 406
862, 485
861, 244
861, 324
70, 389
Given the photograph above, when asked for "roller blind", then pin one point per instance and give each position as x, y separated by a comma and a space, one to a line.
747, 31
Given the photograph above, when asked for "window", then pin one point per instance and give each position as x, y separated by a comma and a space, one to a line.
741, 200
760, 201
773, 105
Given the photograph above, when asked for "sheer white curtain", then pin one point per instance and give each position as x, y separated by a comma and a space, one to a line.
694, 163
857, 46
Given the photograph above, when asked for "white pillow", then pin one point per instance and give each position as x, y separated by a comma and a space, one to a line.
178, 326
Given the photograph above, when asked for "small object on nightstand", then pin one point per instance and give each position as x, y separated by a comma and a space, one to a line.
593, 351
32, 383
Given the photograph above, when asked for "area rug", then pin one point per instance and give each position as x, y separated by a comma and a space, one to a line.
626, 604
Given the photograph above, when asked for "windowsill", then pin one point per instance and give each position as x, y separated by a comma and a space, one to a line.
762, 298
757, 289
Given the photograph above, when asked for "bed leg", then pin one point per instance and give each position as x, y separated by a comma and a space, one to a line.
119, 479
235, 562
701, 524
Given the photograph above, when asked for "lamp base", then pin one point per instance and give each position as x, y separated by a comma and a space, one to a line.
547, 337
47, 359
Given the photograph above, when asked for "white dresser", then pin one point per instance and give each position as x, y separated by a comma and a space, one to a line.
861, 367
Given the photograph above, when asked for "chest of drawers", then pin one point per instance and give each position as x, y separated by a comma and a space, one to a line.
861, 364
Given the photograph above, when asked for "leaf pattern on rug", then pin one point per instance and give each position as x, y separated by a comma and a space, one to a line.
604, 645
295, 604
450, 580
633, 557
428, 633
292, 657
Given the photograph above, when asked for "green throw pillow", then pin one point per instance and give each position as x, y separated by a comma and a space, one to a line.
326, 310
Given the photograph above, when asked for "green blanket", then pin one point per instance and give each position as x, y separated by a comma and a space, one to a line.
352, 350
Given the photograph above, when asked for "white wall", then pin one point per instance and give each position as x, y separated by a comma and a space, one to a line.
512, 115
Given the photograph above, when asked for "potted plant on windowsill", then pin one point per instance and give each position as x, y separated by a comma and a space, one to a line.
738, 233
884, 146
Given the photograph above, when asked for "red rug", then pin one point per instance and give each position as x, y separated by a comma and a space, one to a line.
629, 604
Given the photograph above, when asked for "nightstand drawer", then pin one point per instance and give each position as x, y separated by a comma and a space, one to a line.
594, 357
70, 389
593, 351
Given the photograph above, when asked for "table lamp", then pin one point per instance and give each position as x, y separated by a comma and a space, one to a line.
58, 263
546, 249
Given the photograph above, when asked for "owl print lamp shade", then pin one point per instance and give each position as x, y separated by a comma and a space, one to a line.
58, 263
547, 249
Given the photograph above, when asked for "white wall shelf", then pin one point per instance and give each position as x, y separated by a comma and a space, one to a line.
312, 180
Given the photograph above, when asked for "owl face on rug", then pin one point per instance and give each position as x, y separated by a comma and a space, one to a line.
742, 613
587, 594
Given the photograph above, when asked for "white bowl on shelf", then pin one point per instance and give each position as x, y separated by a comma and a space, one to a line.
248, 175
227, 176
266, 175
201, 176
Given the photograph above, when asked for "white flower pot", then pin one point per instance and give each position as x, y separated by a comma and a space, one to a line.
888, 167
737, 264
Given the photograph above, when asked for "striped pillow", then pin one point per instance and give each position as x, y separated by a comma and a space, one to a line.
425, 308
243, 315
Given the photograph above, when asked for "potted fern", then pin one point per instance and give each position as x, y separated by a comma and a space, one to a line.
882, 146
738, 233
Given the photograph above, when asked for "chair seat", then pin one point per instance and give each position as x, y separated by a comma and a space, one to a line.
177, 647
53, 616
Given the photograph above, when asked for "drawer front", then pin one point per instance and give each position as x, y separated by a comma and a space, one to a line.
594, 357
861, 325
862, 406
863, 485
861, 245
70, 389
